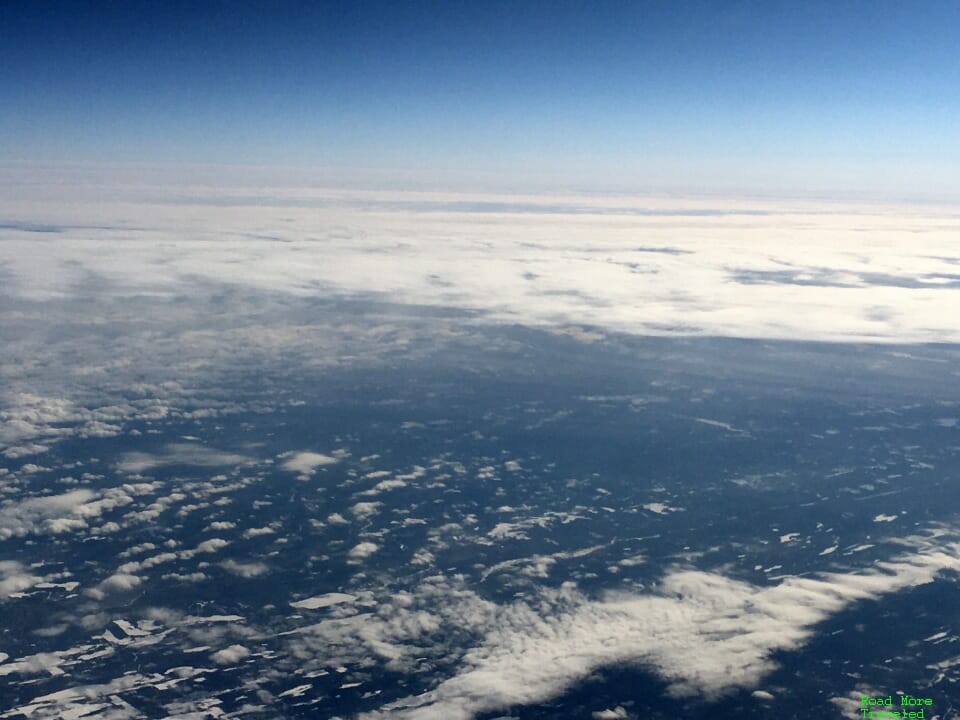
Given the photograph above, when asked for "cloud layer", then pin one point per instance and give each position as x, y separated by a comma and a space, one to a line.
704, 633
760, 268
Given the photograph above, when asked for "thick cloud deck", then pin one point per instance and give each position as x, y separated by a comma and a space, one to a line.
762, 268
365, 456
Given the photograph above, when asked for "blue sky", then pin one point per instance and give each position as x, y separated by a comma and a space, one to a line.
810, 96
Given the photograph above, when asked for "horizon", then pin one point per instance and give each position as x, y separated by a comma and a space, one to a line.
695, 97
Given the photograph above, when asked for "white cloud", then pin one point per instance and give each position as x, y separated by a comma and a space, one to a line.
18, 451
179, 454
185, 577
137, 549
116, 583
58, 513
364, 510
850, 704
38, 420
800, 269
230, 655
423, 557
15, 578
79, 700
362, 550
55, 514
257, 532
146, 564
586, 275
207, 546
617, 713
120, 582
212, 545
539, 566
41, 663
245, 570
322, 601
384, 486
705, 634
306, 463
31, 416
659, 508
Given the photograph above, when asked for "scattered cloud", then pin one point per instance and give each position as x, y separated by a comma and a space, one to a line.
230, 655
363, 550
116, 583
14, 578
179, 454
364, 510
48, 513
704, 633
384, 486
617, 713
245, 570
306, 463
258, 532
322, 601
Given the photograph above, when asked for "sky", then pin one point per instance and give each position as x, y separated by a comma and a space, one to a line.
803, 97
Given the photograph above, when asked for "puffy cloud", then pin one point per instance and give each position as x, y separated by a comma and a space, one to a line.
137, 549
362, 550
423, 557
230, 655
30, 416
185, 577
221, 525
56, 514
60, 512
17, 451
41, 663
212, 545
850, 704
120, 582
158, 560
704, 633
207, 546
306, 463
364, 510
384, 486
56, 526
617, 713
257, 532
116, 583
245, 570
15, 578
434, 620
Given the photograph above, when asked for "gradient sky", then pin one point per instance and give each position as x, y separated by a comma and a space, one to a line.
796, 96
